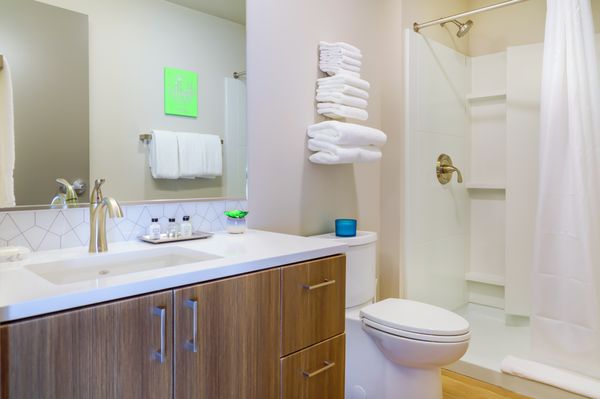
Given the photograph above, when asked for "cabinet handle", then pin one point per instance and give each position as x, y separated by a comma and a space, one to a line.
192, 344
325, 283
161, 311
327, 366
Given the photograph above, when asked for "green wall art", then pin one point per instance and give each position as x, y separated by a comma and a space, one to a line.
181, 92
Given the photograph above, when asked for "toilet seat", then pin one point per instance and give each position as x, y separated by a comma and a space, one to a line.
416, 320
419, 337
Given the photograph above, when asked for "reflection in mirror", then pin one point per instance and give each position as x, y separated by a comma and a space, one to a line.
83, 79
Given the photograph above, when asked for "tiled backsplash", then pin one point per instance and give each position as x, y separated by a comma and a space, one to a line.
65, 228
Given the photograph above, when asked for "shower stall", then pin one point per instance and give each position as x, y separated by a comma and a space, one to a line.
469, 246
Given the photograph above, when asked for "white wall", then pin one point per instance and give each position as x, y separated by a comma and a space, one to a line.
436, 214
524, 71
130, 44
287, 193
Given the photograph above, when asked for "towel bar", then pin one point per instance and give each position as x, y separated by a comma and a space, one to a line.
147, 137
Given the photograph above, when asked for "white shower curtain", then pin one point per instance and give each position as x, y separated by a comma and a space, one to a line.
566, 291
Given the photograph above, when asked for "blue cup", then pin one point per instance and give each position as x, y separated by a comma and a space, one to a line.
345, 227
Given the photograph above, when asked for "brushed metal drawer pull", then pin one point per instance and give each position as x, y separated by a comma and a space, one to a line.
192, 344
327, 364
161, 311
317, 286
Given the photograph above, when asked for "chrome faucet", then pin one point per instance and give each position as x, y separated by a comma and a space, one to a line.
99, 206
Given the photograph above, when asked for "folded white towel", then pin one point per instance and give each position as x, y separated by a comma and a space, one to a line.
563, 379
337, 66
7, 138
332, 154
343, 89
338, 111
200, 155
342, 99
345, 79
339, 58
163, 155
339, 45
334, 71
346, 134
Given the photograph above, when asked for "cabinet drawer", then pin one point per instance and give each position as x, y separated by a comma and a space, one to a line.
313, 299
316, 372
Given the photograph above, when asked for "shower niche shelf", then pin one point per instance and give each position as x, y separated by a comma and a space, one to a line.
493, 95
485, 186
485, 278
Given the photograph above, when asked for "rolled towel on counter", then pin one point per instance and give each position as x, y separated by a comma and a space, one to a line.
200, 155
345, 79
338, 111
342, 99
164, 155
346, 134
328, 153
563, 379
343, 89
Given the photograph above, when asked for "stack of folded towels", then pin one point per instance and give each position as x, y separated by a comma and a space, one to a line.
338, 142
344, 94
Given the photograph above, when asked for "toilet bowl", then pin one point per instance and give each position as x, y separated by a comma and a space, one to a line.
395, 348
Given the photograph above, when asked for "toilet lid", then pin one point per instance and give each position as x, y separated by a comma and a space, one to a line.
415, 317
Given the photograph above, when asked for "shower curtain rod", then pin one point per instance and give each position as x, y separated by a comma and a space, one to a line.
417, 26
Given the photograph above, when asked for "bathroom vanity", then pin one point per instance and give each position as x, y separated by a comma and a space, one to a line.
263, 317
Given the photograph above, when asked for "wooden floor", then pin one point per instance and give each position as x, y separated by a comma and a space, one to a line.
457, 386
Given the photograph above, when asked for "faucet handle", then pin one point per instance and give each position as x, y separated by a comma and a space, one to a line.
98, 183
96, 195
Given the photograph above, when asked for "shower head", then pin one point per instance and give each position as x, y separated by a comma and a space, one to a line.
463, 29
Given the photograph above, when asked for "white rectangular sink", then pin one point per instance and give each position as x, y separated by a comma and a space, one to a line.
95, 267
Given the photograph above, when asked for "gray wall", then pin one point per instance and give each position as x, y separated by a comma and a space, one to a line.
47, 48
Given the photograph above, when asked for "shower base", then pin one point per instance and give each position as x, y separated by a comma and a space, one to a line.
491, 341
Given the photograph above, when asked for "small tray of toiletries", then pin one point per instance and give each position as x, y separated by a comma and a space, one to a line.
164, 238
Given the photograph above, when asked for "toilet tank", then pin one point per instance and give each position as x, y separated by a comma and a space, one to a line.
361, 260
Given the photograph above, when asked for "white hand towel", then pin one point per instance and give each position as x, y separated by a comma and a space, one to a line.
339, 58
334, 71
336, 45
337, 111
332, 154
7, 138
345, 79
342, 99
563, 379
346, 134
200, 155
343, 89
339, 52
338, 66
164, 156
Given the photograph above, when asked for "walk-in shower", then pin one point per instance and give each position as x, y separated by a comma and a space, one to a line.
469, 246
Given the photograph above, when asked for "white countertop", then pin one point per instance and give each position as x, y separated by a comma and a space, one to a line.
24, 293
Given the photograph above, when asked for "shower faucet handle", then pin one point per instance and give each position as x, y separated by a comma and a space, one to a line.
445, 168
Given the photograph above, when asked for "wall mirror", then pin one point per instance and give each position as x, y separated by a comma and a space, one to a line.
84, 80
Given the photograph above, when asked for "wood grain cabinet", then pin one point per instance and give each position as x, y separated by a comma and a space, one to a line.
227, 338
104, 352
312, 329
274, 334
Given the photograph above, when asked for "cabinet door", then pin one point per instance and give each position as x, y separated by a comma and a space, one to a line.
106, 351
316, 372
227, 338
313, 296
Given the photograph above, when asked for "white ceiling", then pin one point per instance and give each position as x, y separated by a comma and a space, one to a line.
233, 10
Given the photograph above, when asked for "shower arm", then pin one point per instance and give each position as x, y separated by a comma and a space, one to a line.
417, 26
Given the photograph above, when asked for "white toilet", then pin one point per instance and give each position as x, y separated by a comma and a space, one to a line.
395, 348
